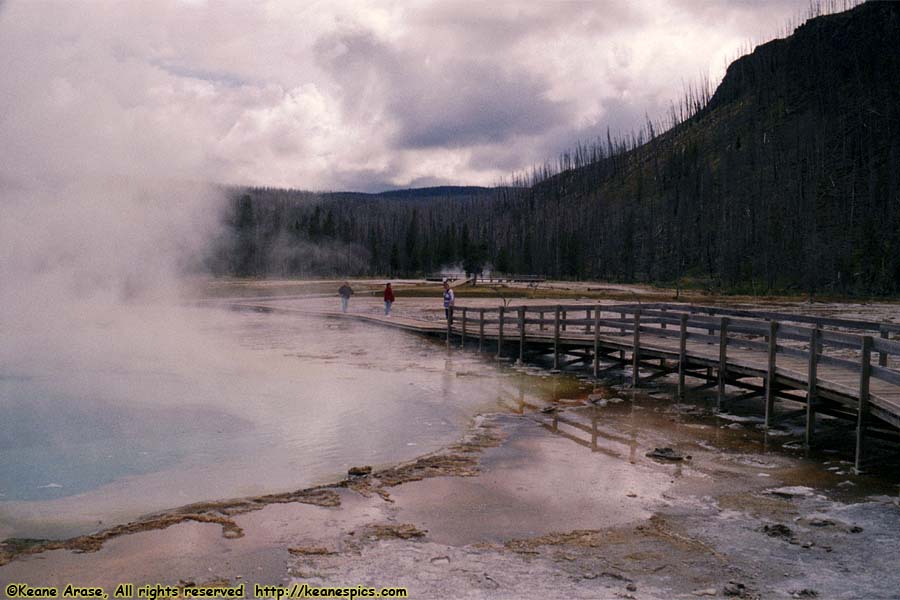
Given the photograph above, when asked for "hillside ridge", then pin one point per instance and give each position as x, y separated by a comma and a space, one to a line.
787, 179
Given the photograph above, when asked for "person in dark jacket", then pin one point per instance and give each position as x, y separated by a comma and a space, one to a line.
345, 292
388, 299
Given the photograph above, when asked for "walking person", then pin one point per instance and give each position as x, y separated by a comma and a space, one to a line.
449, 299
388, 299
345, 292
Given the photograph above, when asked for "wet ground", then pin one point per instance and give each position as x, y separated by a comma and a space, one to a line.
559, 502
551, 495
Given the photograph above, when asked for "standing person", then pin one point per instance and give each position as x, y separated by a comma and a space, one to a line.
388, 299
345, 292
449, 299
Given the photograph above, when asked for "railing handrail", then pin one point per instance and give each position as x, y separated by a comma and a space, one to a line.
748, 323
780, 316
733, 329
714, 311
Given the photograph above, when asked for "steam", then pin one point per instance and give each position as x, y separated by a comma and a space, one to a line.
106, 220
99, 236
95, 270
104, 212
104, 241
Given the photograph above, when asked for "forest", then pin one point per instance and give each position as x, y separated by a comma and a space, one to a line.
786, 178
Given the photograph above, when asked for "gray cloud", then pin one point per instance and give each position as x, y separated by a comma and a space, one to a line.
322, 95
473, 103
214, 77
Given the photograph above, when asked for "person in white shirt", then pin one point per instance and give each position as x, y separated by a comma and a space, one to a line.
449, 298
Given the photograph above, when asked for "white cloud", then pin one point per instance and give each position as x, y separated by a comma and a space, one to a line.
319, 95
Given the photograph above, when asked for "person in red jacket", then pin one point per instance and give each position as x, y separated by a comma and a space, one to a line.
388, 299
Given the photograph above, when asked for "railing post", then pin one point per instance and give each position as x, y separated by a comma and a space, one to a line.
521, 335
500, 335
882, 355
865, 372
723, 360
682, 353
812, 375
449, 324
622, 328
587, 317
709, 370
556, 340
564, 316
636, 350
462, 339
663, 317
480, 329
596, 342
541, 313
770, 372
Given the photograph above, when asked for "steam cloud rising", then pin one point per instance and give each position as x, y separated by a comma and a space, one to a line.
103, 209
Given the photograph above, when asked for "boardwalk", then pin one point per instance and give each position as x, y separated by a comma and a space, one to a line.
837, 367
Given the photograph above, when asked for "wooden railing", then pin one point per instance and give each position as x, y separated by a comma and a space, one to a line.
706, 334
689, 324
509, 278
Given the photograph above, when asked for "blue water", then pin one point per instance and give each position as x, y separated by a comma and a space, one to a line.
266, 403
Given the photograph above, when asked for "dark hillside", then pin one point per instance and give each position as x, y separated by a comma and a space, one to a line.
787, 178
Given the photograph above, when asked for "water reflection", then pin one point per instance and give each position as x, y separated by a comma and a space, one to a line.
293, 402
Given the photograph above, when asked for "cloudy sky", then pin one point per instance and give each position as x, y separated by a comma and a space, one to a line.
345, 95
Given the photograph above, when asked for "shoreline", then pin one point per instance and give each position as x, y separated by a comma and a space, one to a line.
534, 513
272, 288
528, 503
456, 459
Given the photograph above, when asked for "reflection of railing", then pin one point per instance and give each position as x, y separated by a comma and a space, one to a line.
577, 426
828, 359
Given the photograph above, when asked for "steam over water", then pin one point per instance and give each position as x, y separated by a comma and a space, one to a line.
278, 403
119, 398
116, 398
